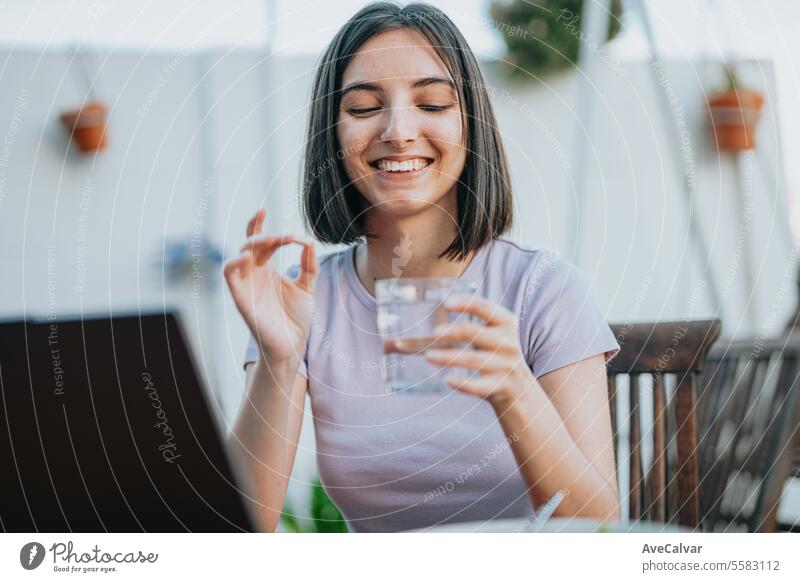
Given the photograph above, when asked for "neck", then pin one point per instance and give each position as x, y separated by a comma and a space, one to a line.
408, 246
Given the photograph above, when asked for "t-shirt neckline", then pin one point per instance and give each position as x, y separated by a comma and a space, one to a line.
475, 268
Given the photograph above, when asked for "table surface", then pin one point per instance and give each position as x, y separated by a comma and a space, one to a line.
557, 525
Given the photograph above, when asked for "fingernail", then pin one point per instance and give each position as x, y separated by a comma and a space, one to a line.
440, 329
434, 354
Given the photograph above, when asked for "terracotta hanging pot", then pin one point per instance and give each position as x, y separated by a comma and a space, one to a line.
87, 126
734, 116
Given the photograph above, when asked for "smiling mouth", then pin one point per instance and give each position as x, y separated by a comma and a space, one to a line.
398, 167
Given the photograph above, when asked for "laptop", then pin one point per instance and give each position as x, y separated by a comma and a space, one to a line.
105, 426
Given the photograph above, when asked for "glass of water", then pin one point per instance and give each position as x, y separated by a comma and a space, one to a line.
408, 311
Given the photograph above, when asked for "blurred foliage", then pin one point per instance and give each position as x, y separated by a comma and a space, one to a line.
325, 516
545, 36
188, 259
731, 78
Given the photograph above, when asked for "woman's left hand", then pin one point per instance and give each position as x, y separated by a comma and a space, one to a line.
496, 352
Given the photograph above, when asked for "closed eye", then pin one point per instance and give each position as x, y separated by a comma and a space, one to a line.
434, 108
366, 111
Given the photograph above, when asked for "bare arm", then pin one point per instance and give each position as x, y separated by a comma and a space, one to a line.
559, 426
265, 435
564, 440
277, 311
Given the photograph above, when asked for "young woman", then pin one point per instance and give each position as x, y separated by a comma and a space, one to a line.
404, 163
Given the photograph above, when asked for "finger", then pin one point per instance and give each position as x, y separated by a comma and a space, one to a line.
251, 224
471, 359
481, 386
413, 345
254, 222
495, 315
479, 335
240, 265
263, 247
309, 268
260, 216
450, 337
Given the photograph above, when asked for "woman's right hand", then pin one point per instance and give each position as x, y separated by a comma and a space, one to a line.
276, 309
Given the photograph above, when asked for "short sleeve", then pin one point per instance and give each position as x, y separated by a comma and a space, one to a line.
560, 323
253, 350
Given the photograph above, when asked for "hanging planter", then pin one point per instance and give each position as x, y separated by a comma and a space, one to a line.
544, 37
734, 114
87, 126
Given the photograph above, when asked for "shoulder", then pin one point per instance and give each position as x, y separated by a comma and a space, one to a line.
545, 280
504, 249
560, 321
525, 266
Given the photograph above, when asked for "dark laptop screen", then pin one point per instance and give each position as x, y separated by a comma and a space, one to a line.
104, 426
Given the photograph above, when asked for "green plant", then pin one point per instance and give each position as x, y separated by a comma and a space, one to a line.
545, 36
732, 80
325, 516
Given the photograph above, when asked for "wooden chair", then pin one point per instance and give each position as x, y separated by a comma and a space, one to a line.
750, 403
664, 360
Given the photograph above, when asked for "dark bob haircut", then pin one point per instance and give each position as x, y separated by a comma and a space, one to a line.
332, 207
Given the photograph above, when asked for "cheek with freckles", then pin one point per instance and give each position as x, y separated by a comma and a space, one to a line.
449, 140
353, 142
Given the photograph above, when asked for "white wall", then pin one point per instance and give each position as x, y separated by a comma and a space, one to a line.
632, 211
218, 135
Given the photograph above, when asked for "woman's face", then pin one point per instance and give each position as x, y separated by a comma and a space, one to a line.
400, 125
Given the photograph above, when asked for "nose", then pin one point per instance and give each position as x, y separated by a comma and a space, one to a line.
401, 126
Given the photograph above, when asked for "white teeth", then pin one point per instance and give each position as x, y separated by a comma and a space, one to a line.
404, 166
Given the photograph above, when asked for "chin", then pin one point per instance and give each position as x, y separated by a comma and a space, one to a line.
403, 205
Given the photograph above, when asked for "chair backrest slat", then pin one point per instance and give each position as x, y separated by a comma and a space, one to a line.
612, 405
658, 472
776, 455
655, 351
635, 504
688, 465
753, 412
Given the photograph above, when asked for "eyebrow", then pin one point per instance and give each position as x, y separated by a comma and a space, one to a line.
424, 82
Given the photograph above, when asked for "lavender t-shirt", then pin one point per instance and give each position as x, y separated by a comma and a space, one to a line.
401, 461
